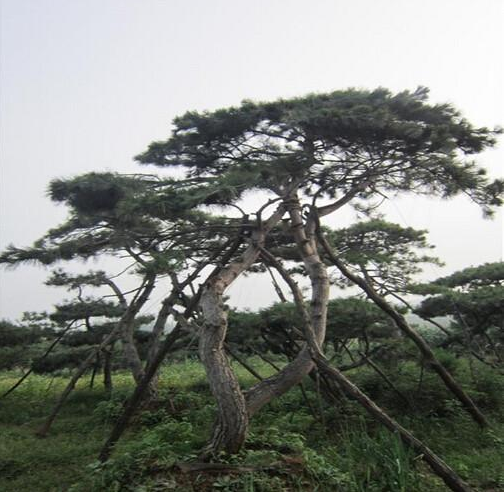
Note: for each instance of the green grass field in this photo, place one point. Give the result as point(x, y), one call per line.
point(289, 447)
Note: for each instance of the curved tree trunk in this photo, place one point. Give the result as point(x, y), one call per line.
point(292, 374)
point(232, 421)
point(131, 405)
point(266, 390)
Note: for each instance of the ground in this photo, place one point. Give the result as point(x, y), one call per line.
point(291, 446)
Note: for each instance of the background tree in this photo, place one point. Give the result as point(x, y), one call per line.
point(21, 343)
point(474, 299)
point(348, 319)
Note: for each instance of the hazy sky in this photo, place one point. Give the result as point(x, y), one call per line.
point(87, 84)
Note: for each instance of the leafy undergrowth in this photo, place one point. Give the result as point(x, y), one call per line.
point(291, 446)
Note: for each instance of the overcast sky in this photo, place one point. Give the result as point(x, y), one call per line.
point(87, 84)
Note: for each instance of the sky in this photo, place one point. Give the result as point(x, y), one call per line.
point(88, 84)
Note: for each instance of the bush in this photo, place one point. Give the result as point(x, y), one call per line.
point(108, 411)
point(61, 359)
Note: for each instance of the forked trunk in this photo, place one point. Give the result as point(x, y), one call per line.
point(152, 367)
point(232, 421)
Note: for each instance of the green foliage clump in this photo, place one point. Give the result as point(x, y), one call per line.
point(61, 359)
point(12, 334)
point(108, 411)
point(20, 344)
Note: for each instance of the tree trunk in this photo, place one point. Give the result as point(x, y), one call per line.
point(438, 466)
point(134, 362)
point(130, 352)
point(131, 405)
point(96, 366)
point(155, 338)
point(232, 421)
point(107, 369)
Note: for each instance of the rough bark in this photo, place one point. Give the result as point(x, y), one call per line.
point(405, 328)
point(232, 421)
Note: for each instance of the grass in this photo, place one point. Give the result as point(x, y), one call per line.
point(289, 447)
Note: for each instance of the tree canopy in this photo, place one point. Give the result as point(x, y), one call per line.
point(368, 142)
